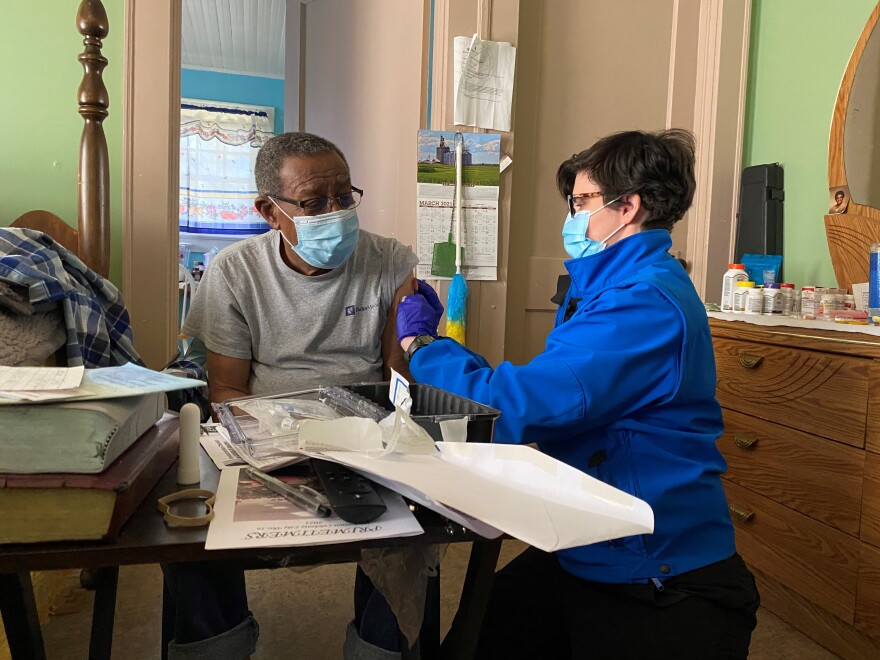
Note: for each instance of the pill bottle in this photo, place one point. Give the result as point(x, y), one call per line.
point(755, 301)
point(849, 302)
point(772, 299)
point(741, 295)
point(826, 307)
point(808, 303)
point(735, 273)
point(788, 293)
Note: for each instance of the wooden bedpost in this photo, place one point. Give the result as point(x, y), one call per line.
point(93, 182)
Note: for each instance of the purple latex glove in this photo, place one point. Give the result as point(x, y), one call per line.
point(434, 301)
point(416, 316)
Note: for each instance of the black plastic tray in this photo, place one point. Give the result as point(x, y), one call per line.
point(432, 405)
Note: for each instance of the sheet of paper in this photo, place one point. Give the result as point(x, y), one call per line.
point(115, 382)
point(40, 378)
point(347, 434)
point(860, 293)
point(435, 197)
point(226, 454)
point(249, 515)
point(398, 391)
point(483, 82)
point(513, 488)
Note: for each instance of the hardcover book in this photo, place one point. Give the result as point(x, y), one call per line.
point(78, 436)
point(77, 507)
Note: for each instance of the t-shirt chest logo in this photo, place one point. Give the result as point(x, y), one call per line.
point(351, 310)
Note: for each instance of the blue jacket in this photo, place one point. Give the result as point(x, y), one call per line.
point(625, 392)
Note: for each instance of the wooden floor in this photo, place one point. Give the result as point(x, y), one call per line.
point(304, 615)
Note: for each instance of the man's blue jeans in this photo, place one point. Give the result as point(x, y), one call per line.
point(205, 613)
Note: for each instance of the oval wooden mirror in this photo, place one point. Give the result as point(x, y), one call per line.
point(854, 162)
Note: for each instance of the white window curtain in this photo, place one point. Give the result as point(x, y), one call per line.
point(218, 149)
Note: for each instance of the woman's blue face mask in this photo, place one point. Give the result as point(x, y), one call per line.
point(324, 241)
point(574, 234)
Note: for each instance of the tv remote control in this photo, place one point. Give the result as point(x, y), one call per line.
point(351, 496)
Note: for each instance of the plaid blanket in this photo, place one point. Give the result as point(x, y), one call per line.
point(97, 322)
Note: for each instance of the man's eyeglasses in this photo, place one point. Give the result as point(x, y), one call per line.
point(317, 205)
point(576, 203)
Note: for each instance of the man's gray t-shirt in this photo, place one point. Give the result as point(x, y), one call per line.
point(299, 331)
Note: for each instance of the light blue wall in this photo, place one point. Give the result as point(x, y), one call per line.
point(235, 88)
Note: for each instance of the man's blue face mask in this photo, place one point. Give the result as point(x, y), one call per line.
point(574, 234)
point(324, 241)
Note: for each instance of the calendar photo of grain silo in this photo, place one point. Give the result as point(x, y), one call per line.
point(480, 156)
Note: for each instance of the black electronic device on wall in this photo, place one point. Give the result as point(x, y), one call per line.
point(759, 226)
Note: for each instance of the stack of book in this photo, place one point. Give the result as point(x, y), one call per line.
point(78, 470)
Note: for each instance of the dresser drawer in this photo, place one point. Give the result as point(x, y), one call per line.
point(819, 478)
point(816, 561)
point(807, 390)
point(871, 500)
point(868, 603)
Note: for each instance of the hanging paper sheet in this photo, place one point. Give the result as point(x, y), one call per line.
point(436, 195)
point(483, 83)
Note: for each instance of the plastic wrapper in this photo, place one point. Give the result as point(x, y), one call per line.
point(401, 576)
point(277, 423)
point(282, 416)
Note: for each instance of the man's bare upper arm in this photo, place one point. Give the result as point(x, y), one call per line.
point(392, 354)
point(227, 377)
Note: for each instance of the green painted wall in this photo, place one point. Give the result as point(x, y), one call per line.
point(39, 78)
point(799, 51)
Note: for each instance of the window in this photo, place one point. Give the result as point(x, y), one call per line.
point(218, 148)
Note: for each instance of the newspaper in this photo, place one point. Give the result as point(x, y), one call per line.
point(249, 515)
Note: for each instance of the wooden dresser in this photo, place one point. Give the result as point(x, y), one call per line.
point(802, 443)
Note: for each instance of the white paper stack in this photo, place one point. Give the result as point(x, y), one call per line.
point(513, 489)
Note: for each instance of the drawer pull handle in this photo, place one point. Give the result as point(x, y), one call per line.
point(744, 440)
point(750, 361)
point(741, 515)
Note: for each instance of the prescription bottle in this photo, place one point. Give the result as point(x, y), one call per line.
point(735, 273)
point(788, 294)
point(808, 303)
point(772, 299)
point(826, 307)
point(755, 301)
point(740, 295)
point(849, 301)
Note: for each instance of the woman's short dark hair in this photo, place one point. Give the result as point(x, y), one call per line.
point(272, 155)
point(659, 167)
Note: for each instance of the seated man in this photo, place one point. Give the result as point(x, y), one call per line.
point(308, 304)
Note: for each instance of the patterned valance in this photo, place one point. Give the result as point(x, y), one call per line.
point(229, 124)
point(217, 158)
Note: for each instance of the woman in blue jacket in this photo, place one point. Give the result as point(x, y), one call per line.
point(625, 392)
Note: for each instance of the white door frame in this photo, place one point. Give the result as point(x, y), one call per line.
point(719, 117)
point(150, 180)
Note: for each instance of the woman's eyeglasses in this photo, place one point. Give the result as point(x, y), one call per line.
point(576, 203)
